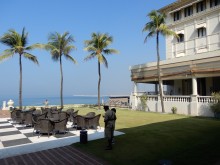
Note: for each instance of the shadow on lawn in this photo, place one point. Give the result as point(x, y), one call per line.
point(182, 141)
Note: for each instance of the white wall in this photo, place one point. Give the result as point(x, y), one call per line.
point(193, 45)
point(183, 103)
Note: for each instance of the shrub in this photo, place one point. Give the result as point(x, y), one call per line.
point(174, 110)
point(215, 107)
point(143, 99)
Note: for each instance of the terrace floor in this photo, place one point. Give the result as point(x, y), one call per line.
point(19, 145)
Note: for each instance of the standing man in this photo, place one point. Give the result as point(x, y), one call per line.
point(109, 120)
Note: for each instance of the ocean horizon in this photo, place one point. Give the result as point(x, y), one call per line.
point(39, 101)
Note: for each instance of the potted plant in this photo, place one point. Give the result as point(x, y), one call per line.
point(215, 107)
point(174, 110)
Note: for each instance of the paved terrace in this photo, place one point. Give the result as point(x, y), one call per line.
point(18, 145)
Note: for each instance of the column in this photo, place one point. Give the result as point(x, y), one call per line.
point(194, 102)
point(135, 93)
point(194, 86)
point(135, 88)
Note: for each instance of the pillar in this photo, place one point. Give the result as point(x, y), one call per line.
point(194, 86)
point(135, 95)
point(194, 101)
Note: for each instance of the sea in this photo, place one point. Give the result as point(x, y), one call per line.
point(39, 101)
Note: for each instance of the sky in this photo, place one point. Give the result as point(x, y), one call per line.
point(121, 19)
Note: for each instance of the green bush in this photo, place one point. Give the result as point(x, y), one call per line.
point(174, 110)
point(215, 107)
point(143, 99)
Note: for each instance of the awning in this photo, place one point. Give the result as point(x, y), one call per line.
point(201, 25)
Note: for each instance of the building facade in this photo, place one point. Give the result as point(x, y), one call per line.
point(191, 70)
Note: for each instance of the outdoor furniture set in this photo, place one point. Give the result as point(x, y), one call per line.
point(53, 120)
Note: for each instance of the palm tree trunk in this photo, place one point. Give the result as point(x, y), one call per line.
point(158, 73)
point(20, 83)
point(99, 70)
point(61, 84)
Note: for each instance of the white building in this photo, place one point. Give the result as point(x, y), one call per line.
point(191, 70)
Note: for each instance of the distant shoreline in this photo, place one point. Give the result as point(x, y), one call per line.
point(39, 101)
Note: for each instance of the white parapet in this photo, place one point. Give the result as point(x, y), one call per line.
point(4, 107)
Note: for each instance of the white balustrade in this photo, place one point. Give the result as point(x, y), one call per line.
point(206, 99)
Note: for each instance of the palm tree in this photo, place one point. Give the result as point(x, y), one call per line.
point(18, 45)
point(60, 45)
point(157, 26)
point(98, 46)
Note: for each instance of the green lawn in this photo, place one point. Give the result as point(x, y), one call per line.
point(150, 137)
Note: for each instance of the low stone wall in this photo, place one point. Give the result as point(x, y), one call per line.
point(186, 105)
point(4, 113)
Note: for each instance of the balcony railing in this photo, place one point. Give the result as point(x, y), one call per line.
point(166, 98)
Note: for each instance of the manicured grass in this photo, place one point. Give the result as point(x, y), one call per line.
point(150, 137)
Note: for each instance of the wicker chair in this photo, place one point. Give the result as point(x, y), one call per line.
point(19, 116)
point(45, 127)
point(13, 115)
point(53, 108)
point(60, 126)
point(81, 122)
point(93, 122)
point(70, 112)
point(63, 115)
point(44, 110)
point(28, 118)
point(90, 114)
point(35, 120)
point(49, 112)
point(73, 116)
point(37, 112)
